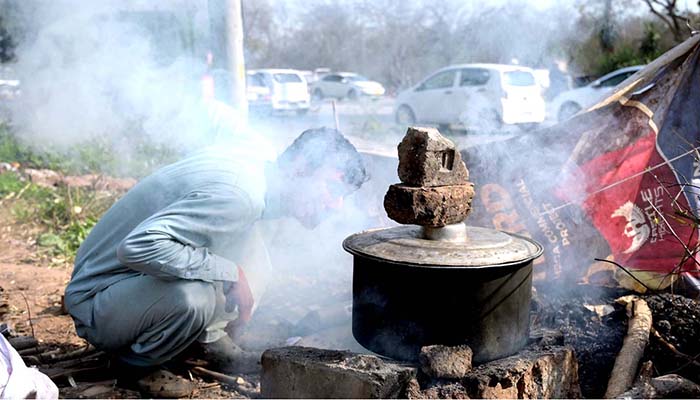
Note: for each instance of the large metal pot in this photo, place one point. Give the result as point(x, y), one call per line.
point(409, 291)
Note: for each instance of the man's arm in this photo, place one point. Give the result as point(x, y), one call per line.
point(174, 243)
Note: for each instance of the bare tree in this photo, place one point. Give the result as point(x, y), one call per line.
point(667, 11)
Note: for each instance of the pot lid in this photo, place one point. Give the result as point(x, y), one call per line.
point(406, 245)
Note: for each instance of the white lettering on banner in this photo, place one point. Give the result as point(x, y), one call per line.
point(655, 197)
point(550, 224)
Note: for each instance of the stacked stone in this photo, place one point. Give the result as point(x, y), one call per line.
point(435, 190)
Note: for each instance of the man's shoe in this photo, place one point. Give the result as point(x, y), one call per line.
point(224, 355)
point(154, 382)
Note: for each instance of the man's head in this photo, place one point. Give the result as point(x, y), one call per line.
point(316, 172)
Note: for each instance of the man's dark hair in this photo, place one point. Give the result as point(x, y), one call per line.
point(324, 148)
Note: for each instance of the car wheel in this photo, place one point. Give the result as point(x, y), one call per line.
point(567, 111)
point(352, 95)
point(405, 116)
point(317, 94)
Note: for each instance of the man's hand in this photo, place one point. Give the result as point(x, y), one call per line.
point(239, 295)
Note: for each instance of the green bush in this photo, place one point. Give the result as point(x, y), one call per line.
point(10, 183)
point(95, 155)
point(70, 213)
point(65, 214)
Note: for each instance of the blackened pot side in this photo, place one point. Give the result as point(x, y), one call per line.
point(400, 306)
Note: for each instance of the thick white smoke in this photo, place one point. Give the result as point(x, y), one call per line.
point(112, 70)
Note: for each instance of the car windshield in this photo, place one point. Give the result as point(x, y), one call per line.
point(615, 80)
point(286, 78)
point(519, 78)
point(254, 80)
point(356, 78)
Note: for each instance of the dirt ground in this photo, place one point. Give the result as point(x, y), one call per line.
point(32, 287)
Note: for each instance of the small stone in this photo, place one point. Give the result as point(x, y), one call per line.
point(445, 362)
point(663, 326)
point(452, 390)
point(305, 372)
point(426, 158)
point(429, 206)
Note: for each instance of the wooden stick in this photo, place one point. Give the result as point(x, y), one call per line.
point(673, 348)
point(95, 357)
point(23, 342)
point(29, 313)
point(335, 116)
point(227, 379)
point(33, 350)
point(63, 373)
point(633, 346)
point(58, 357)
point(31, 360)
point(47, 356)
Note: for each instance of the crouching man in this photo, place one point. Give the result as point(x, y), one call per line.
point(167, 269)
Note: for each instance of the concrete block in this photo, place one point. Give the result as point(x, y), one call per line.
point(548, 372)
point(535, 373)
point(426, 158)
point(429, 206)
point(305, 372)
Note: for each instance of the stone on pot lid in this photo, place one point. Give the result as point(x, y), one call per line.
point(426, 158)
point(483, 248)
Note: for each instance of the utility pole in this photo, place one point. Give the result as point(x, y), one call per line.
point(226, 24)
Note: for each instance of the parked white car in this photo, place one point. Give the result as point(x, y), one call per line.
point(474, 96)
point(258, 93)
point(288, 89)
point(345, 85)
point(568, 103)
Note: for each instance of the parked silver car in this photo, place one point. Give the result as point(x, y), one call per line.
point(345, 85)
point(474, 96)
point(568, 103)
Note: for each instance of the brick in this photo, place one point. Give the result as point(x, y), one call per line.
point(426, 158)
point(445, 362)
point(305, 372)
point(429, 206)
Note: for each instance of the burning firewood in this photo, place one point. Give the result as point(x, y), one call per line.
point(635, 342)
point(238, 383)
